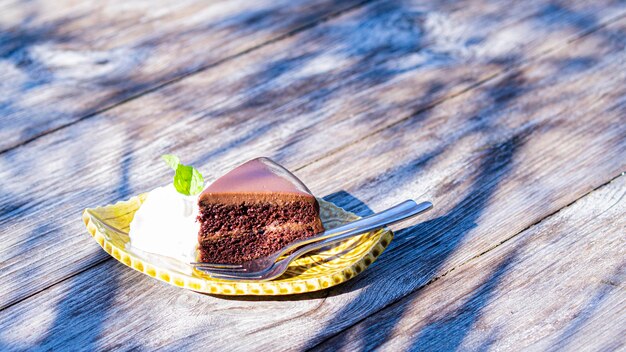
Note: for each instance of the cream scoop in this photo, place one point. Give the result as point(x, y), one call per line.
point(165, 224)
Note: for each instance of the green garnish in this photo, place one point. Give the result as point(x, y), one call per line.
point(187, 180)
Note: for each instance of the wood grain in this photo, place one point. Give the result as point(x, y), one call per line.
point(487, 160)
point(64, 61)
point(556, 286)
point(263, 104)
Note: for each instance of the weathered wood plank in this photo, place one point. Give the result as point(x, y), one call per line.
point(483, 193)
point(558, 285)
point(224, 116)
point(491, 176)
point(62, 61)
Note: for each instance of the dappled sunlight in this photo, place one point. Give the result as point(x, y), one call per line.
point(503, 114)
point(423, 262)
point(24, 335)
point(67, 319)
point(87, 60)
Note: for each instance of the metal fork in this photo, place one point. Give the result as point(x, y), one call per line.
point(267, 268)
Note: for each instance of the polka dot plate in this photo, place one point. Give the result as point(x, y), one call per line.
point(317, 271)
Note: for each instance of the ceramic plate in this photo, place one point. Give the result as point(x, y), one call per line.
point(319, 270)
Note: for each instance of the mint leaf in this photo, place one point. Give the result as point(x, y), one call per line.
point(187, 180)
point(171, 160)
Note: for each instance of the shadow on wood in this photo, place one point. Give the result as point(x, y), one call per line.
point(75, 326)
point(612, 283)
point(496, 163)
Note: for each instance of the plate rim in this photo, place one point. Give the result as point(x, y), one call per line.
point(235, 288)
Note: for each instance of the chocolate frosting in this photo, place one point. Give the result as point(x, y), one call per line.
point(260, 176)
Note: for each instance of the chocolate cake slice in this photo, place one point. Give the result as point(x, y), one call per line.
point(252, 211)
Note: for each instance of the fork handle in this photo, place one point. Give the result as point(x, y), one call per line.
point(397, 213)
point(400, 212)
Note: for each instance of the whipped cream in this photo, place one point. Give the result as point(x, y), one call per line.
point(166, 224)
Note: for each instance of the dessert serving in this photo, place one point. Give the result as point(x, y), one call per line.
point(252, 211)
point(248, 213)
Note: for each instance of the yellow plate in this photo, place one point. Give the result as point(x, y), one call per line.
point(329, 267)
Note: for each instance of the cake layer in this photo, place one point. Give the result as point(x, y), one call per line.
point(234, 233)
point(248, 246)
point(252, 211)
point(232, 219)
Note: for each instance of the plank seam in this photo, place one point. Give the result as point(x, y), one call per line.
point(184, 75)
point(529, 61)
point(89, 267)
point(536, 223)
point(477, 84)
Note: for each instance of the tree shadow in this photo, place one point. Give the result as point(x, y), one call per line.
point(370, 44)
point(15, 47)
point(78, 318)
point(80, 315)
point(347, 201)
point(457, 217)
point(119, 74)
point(11, 205)
point(496, 163)
point(609, 286)
point(448, 333)
point(248, 137)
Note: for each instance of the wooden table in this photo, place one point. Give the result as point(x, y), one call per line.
point(510, 116)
